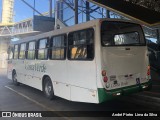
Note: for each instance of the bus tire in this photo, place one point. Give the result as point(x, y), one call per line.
point(48, 88)
point(14, 79)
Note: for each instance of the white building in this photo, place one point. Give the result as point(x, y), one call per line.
point(7, 11)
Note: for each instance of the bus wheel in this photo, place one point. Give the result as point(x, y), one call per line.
point(48, 88)
point(14, 78)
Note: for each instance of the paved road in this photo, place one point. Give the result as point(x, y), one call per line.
point(25, 98)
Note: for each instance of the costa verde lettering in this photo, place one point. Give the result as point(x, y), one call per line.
point(36, 67)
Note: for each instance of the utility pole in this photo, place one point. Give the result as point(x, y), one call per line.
point(34, 5)
point(50, 8)
point(107, 13)
point(76, 11)
point(87, 11)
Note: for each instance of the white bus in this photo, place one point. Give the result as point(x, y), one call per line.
point(90, 62)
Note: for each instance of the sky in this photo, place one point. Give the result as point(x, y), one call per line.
point(22, 11)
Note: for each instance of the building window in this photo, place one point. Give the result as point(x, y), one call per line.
point(16, 52)
point(31, 50)
point(80, 45)
point(22, 51)
point(42, 49)
point(58, 47)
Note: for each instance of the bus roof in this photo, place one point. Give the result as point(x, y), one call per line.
point(67, 30)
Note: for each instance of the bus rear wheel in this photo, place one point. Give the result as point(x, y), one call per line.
point(48, 88)
point(14, 79)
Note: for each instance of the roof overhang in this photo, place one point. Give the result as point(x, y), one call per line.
point(132, 11)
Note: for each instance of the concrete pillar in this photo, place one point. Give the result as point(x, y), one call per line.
point(7, 11)
point(4, 43)
point(60, 10)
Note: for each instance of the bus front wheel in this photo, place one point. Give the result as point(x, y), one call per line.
point(14, 78)
point(48, 88)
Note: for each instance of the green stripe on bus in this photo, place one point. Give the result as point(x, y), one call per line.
point(108, 95)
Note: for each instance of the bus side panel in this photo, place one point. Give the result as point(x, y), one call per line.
point(83, 77)
point(57, 71)
point(84, 95)
point(30, 77)
point(98, 53)
point(82, 74)
point(62, 90)
point(21, 70)
point(16, 68)
point(9, 69)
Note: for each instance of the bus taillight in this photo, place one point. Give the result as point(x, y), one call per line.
point(104, 74)
point(148, 71)
point(105, 78)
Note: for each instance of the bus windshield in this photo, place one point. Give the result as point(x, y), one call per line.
point(121, 34)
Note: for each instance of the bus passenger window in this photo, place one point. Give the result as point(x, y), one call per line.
point(58, 47)
point(22, 51)
point(121, 34)
point(42, 49)
point(80, 45)
point(10, 52)
point(16, 52)
point(31, 50)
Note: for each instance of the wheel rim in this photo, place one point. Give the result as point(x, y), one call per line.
point(48, 89)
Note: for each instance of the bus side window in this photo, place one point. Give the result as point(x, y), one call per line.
point(42, 49)
point(31, 50)
point(15, 51)
point(58, 47)
point(81, 45)
point(10, 52)
point(22, 51)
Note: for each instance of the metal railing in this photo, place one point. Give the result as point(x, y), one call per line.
point(22, 27)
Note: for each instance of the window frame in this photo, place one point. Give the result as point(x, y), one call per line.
point(134, 44)
point(68, 49)
point(65, 46)
point(33, 50)
point(10, 51)
point(17, 52)
point(140, 35)
point(37, 48)
point(24, 51)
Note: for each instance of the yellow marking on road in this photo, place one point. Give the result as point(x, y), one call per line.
point(37, 103)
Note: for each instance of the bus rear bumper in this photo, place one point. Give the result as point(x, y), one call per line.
point(105, 95)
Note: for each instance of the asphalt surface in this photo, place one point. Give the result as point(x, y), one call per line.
point(25, 98)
